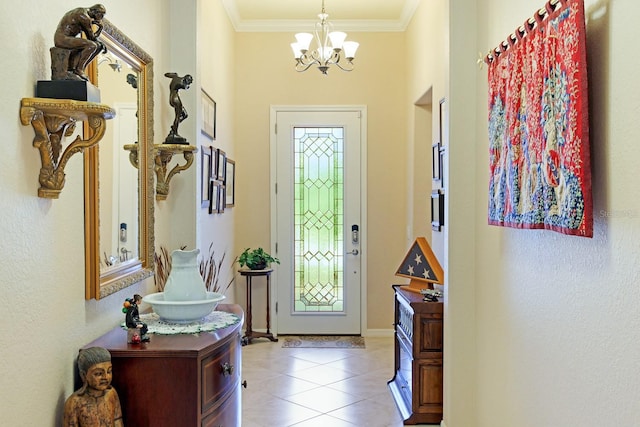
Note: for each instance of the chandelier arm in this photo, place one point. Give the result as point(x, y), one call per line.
point(334, 58)
point(308, 60)
point(343, 68)
point(301, 66)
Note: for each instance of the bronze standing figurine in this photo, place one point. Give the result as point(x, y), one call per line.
point(176, 84)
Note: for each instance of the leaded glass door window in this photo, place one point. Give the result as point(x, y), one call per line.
point(318, 219)
point(318, 201)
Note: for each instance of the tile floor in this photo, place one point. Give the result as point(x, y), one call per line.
point(307, 387)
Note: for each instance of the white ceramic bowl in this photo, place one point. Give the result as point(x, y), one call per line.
point(182, 311)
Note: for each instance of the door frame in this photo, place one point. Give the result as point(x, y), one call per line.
point(362, 109)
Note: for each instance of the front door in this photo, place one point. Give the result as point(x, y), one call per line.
point(318, 233)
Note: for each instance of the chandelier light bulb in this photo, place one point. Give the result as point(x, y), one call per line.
point(296, 50)
point(350, 49)
point(304, 40)
point(337, 39)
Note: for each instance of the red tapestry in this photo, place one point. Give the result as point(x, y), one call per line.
point(538, 126)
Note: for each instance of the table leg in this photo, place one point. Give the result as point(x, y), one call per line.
point(268, 305)
point(269, 334)
point(248, 333)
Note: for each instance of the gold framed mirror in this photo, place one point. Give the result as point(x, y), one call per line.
point(115, 259)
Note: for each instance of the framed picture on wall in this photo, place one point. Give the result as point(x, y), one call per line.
point(436, 165)
point(437, 210)
point(214, 162)
point(214, 195)
point(441, 121)
point(441, 161)
point(208, 116)
point(221, 197)
point(230, 184)
point(205, 158)
point(443, 133)
point(221, 164)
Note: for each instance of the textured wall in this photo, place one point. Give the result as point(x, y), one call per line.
point(43, 313)
point(557, 317)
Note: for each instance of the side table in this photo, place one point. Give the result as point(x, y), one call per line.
point(249, 333)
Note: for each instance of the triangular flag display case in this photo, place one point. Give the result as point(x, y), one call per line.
point(421, 266)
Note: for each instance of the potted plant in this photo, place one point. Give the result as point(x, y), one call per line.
point(256, 259)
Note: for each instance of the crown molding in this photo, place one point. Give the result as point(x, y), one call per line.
point(289, 25)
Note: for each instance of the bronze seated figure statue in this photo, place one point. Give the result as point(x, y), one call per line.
point(72, 53)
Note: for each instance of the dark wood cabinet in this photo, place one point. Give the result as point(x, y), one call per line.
point(417, 382)
point(178, 380)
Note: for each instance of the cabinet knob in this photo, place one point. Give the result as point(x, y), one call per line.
point(227, 369)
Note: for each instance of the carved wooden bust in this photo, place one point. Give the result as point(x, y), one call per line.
point(96, 403)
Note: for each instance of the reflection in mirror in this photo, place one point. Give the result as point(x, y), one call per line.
point(118, 178)
point(119, 196)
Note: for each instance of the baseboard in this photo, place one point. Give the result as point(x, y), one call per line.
point(442, 424)
point(368, 333)
point(378, 333)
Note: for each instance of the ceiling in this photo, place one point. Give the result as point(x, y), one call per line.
point(299, 15)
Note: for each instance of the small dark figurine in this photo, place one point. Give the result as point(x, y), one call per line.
point(176, 84)
point(72, 53)
point(132, 319)
point(132, 80)
point(96, 403)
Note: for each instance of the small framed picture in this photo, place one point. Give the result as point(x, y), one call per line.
point(221, 197)
point(208, 116)
point(436, 166)
point(441, 121)
point(442, 164)
point(229, 184)
point(214, 196)
point(214, 162)
point(437, 210)
point(205, 158)
point(221, 165)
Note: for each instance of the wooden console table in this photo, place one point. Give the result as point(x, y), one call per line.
point(417, 382)
point(178, 380)
point(249, 333)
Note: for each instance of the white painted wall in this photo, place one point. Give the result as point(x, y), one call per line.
point(551, 332)
point(43, 313)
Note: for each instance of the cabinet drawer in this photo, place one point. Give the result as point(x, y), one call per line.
point(220, 373)
point(405, 373)
point(226, 415)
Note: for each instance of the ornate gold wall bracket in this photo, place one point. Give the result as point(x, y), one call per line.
point(52, 120)
point(163, 153)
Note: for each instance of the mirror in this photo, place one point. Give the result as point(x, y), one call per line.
point(118, 196)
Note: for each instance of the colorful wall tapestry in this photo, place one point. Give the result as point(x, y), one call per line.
point(540, 173)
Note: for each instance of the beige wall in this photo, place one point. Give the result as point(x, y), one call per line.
point(205, 51)
point(216, 65)
point(265, 76)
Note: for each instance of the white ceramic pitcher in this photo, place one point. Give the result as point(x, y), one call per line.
point(184, 282)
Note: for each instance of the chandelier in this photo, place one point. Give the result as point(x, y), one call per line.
point(330, 49)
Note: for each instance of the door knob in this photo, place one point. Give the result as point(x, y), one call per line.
point(353, 252)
